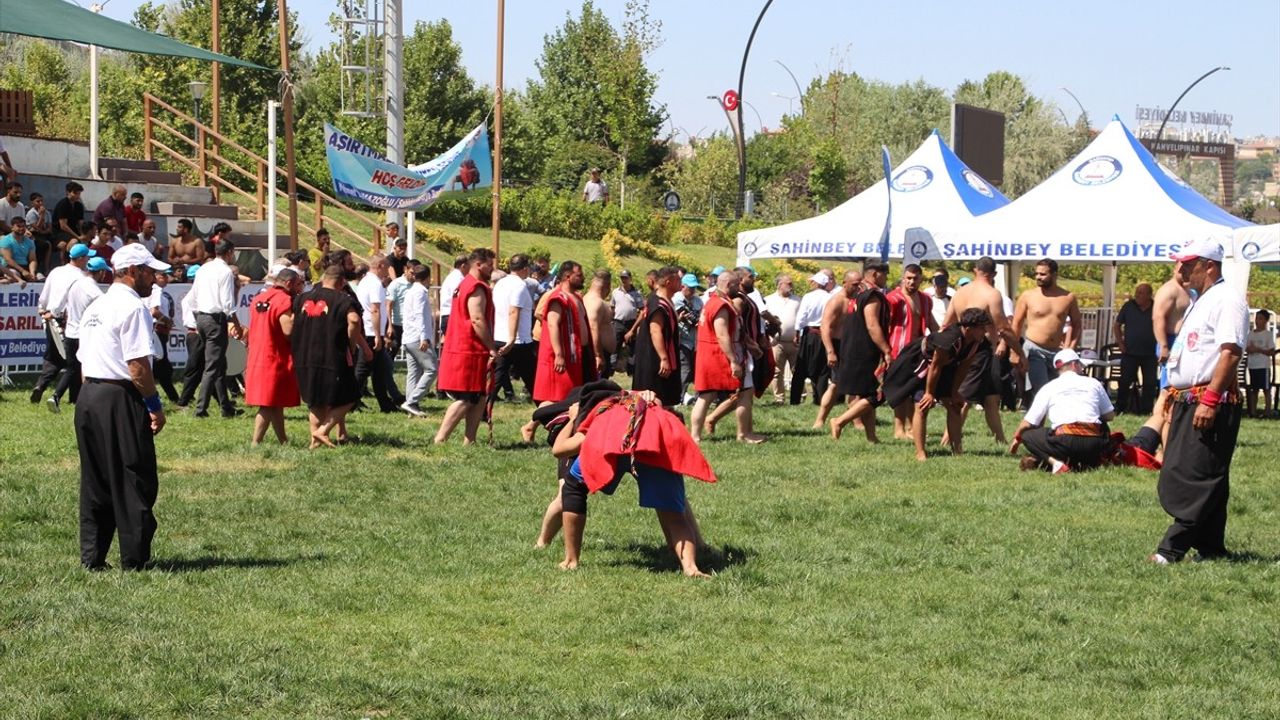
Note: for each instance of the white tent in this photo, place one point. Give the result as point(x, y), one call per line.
point(930, 186)
point(1111, 203)
point(1257, 244)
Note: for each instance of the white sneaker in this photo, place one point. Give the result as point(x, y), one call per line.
point(413, 410)
point(1158, 559)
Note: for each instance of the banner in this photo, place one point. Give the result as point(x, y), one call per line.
point(921, 246)
point(363, 174)
point(22, 338)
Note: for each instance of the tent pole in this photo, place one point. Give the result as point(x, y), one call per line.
point(497, 134)
point(271, 180)
point(1109, 275)
point(291, 179)
point(410, 221)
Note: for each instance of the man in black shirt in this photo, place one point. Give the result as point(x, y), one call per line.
point(67, 216)
point(1133, 333)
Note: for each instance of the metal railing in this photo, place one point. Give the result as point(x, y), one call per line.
point(205, 155)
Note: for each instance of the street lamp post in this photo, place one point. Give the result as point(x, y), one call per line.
point(1160, 132)
point(1078, 103)
point(742, 146)
point(197, 94)
point(788, 98)
point(799, 92)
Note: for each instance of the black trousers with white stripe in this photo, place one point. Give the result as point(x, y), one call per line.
point(118, 477)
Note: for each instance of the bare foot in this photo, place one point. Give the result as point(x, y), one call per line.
point(901, 436)
point(527, 431)
point(709, 427)
point(752, 438)
point(466, 442)
point(873, 440)
point(818, 423)
point(539, 544)
point(569, 565)
point(318, 439)
point(836, 429)
point(921, 456)
point(695, 573)
point(697, 439)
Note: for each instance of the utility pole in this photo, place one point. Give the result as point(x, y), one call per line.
point(497, 135)
point(215, 40)
point(393, 87)
point(291, 179)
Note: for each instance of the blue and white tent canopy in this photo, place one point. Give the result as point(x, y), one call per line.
point(1111, 203)
point(931, 186)
point(1258, 244)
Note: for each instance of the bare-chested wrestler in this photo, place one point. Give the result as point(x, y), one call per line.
point(838, 305)
point(981, 383)
point(1168, 307)
point(186, 249)
point(1041, 317)
point(600, 319)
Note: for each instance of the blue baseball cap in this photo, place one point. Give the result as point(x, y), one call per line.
point(80, 250)
point(691, 280)
point(716, 270)
point(964, 281)
point(191, 271)
point(97, 264)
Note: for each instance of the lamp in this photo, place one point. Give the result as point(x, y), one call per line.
point(197, 94)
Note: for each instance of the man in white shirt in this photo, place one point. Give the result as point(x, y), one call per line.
point(784, 305)
point(194, 369)
point(811, 359)
point(154, 244)
point(372, 294)
point(400, 280)
point(117, 416)
point(1077, 410)
point(164, 311)
point(1258, 357)
point(1195, 480)
point(52, 306)
point(513, 328)
point(419, 338)
point(79, 296)
point(11, 206)
point(940, 290)
point(596, 190)
point(448, 287)
point(215, 308)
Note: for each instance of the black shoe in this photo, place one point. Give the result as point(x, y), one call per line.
point(202, 413)
point(100, 567)
point(180, 404)
point(233, 412)
point(35, 395)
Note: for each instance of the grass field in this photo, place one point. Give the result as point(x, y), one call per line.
point(396, 579)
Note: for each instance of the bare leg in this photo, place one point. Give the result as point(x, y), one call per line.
point(452, 416)
point(718, 414)
point(902, 421)
point(746, 425)
point(955, 425)
point(574, 525)
point(920, 431)
point(699, 416)
point(824, 407)
point(338, 419)
point(260, 423)
point(475, 415)
point(991, 405)
point(693, 525)
point(681, 541)
point(857, 406)
point(869, 423)
point(277, 424)
point(551, 520)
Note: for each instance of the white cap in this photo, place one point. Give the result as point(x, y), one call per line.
point(1066, 357)
point(820, 278)
point(135, 254)
point(1208, 248)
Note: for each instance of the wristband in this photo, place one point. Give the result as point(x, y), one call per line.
point(153, 403)
point(1210, 398)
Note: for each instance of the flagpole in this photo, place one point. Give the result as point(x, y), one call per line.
point(291, 179)
point(497, 135)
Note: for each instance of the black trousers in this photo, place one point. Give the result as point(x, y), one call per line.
point(518, 363)
point(69, 383)
point(118, 478)
point(195, 367)
point(1130, 364)
point(384, 384)
point(1079, 452)
point(811, 364)
point(1195, 481)
point(213, 330)
point(53, 362)
point(163, 369)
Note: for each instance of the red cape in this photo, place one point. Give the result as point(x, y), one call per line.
point(662, 441)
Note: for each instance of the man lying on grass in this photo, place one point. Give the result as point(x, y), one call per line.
point(614, 432)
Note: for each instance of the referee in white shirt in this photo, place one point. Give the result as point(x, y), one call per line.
point(1204, 396)
point(118, 414)
point(811, 359)
point(1077, 409)
point(53, 308)
point(215, 303)
point(82, 293)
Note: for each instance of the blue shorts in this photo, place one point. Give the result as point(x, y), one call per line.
point(659, 489)
point(1164, 369)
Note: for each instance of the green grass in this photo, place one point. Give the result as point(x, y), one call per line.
point(397, 579)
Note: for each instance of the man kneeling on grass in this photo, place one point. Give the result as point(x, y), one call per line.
point(1078, 410)
point(613, 433)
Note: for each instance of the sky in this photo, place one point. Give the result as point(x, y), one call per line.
point(1113, 56)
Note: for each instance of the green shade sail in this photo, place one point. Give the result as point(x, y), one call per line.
point(62, 20)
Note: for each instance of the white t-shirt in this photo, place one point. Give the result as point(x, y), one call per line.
point(940, 303)
point(511, 292)
point(595, 191)
point(114, 330)
point(1218, 317)
point(9, 212)
point(1071, 398)
point(1264, 339)
point(371, 293)
point(447, 288)
point(53, 296)
point(811, 307)
point(81, 294)
point(785, 309)
point(416, 314)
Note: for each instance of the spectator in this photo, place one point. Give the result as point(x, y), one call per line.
point(1136, 341)
point(112, 207)
point(6, 165)
point(627, 303)
point(18, 253)
point(400, 282)
point(940, 290)
point(300, 262)
point(688, 304)
point(371, 293)
point(134, 215)
point(419, 340)
point(186, 250)
point(154, 244)
point(513, 329)
point(68, 214)
point(316, 254)
point(448, 287)
point(221, 231)
point(784, 305)
point(596, 190)
point(1261, 349)
point(40, 225)
point(11, 206)
point(103, 242)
